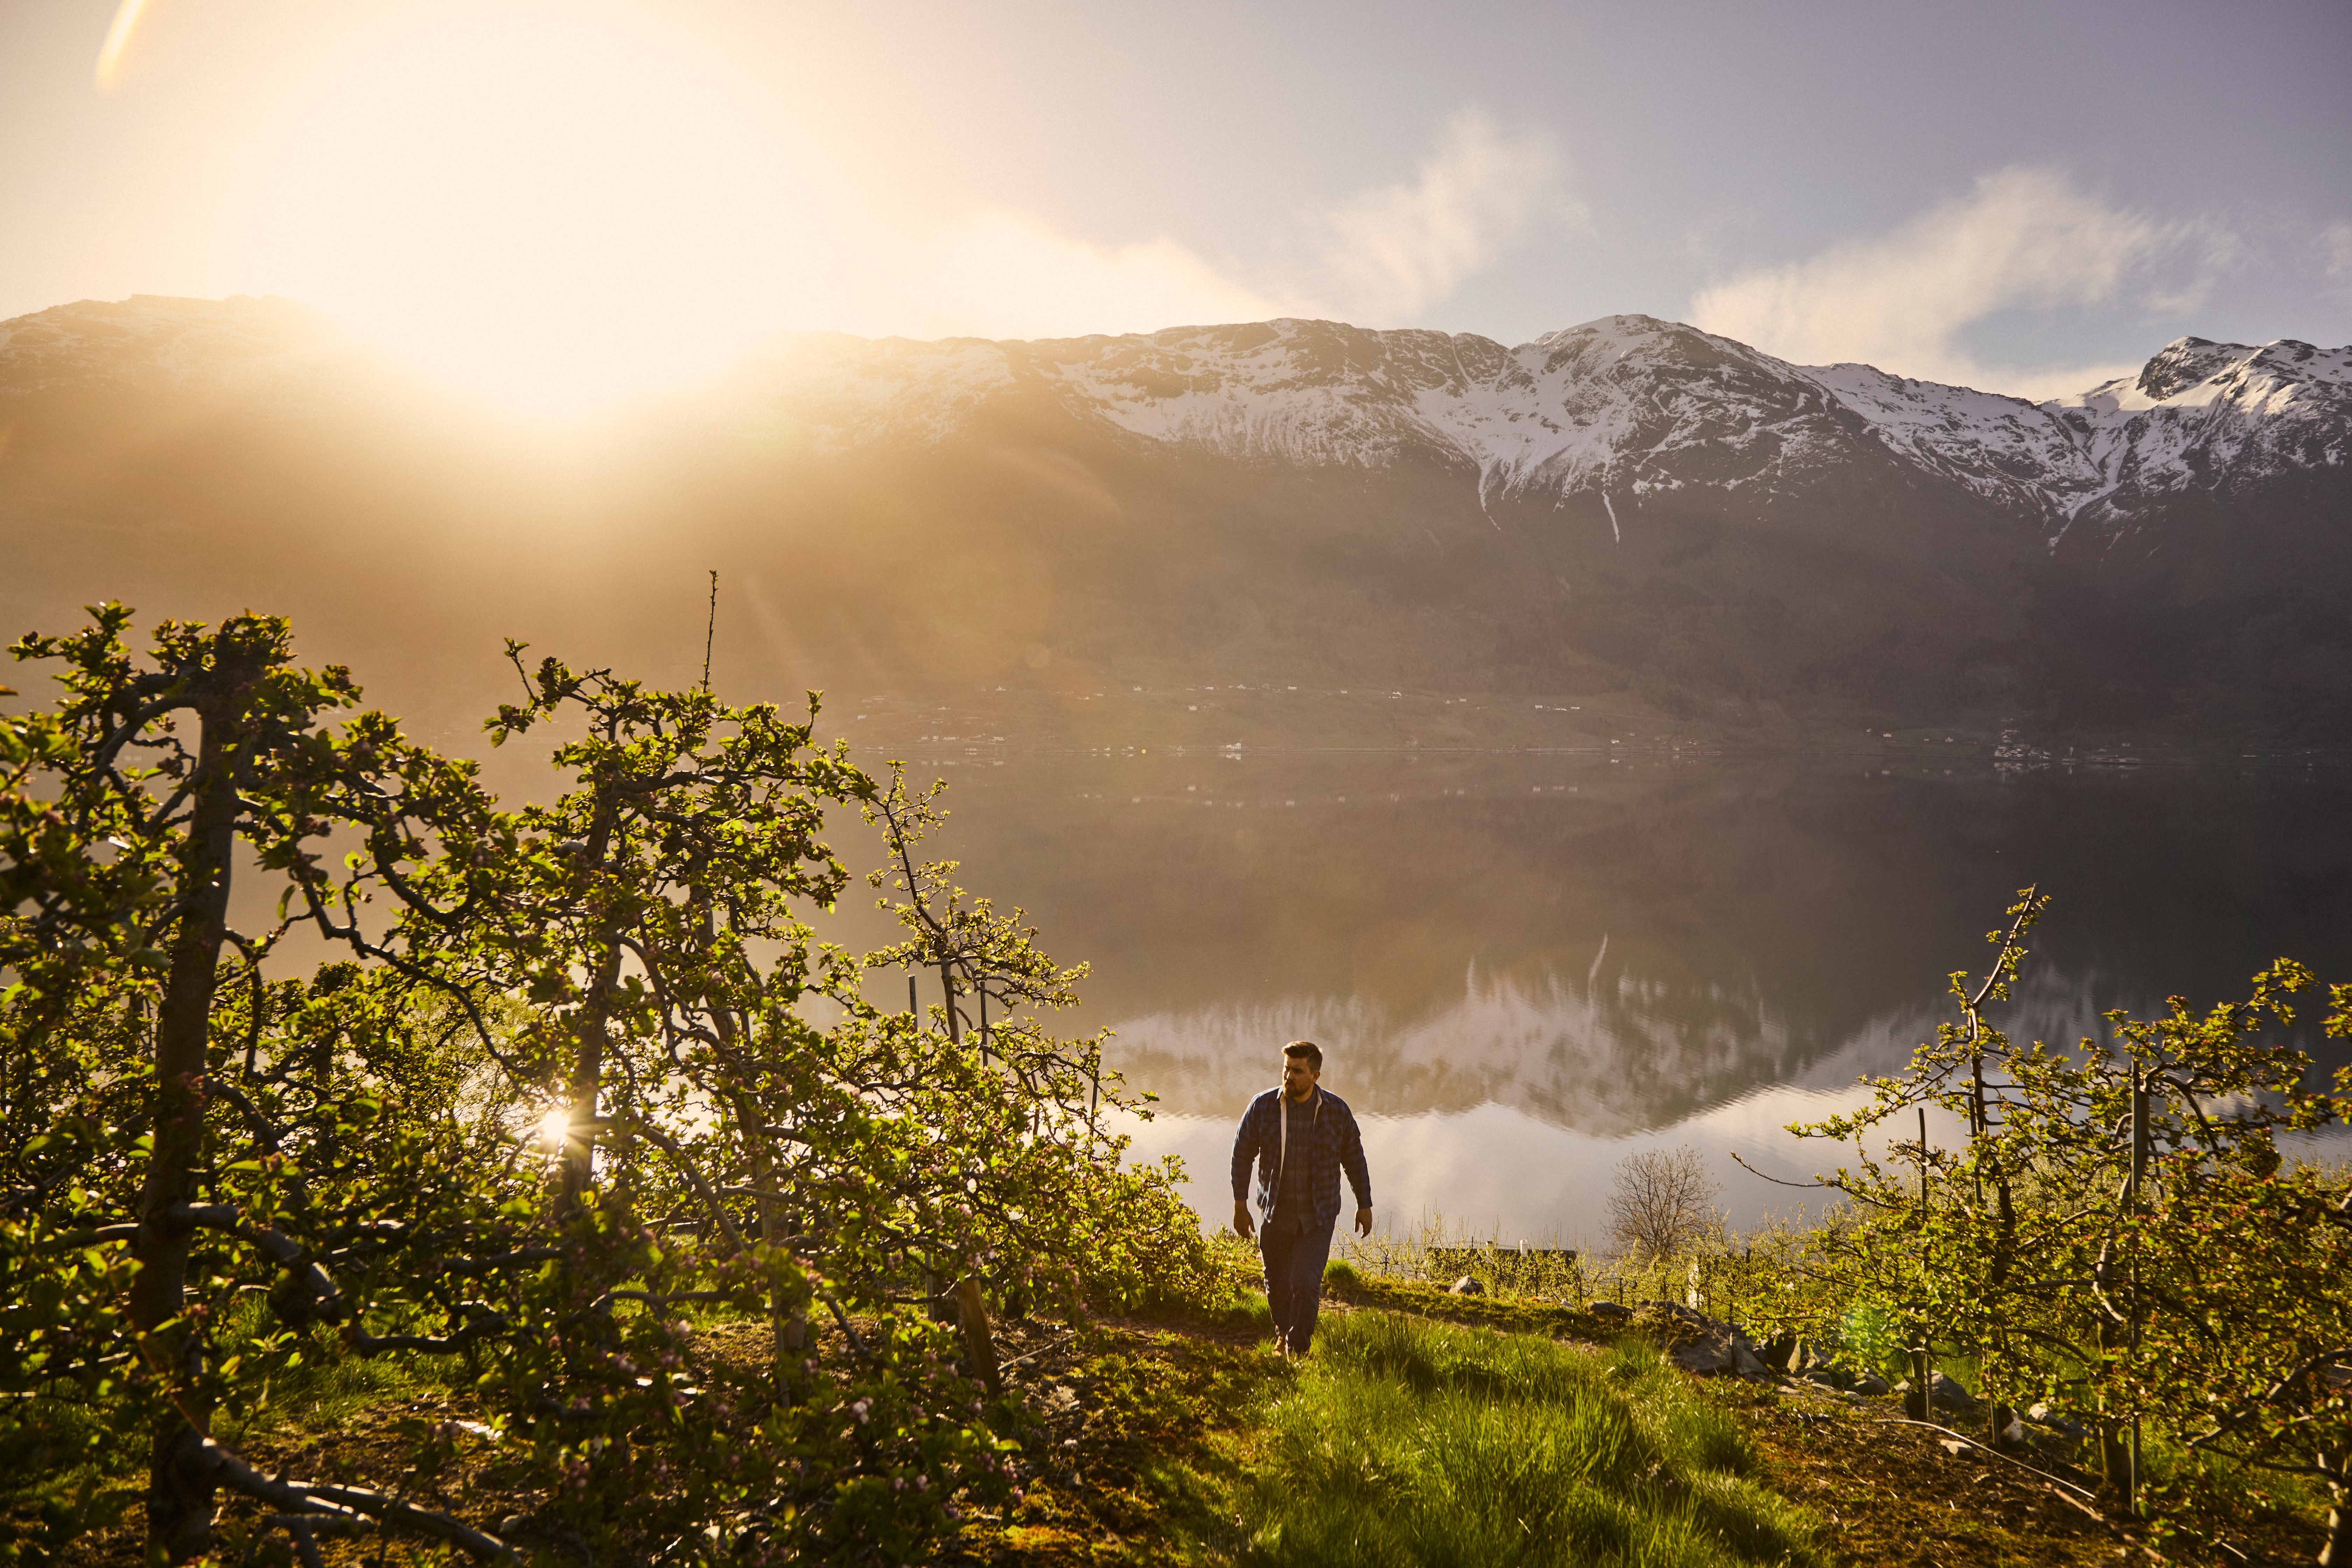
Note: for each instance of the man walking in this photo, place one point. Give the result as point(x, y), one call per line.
point(1300, 1136)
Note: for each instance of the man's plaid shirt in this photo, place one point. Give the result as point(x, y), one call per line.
point(1325, 1136)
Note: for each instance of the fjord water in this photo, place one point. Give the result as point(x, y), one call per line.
point(1524, 966)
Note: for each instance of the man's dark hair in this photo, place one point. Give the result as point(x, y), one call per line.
point(1308, 1049)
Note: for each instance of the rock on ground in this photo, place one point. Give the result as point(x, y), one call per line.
point(1699, 1344)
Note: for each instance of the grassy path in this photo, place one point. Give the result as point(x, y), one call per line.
point(1409, 1442)
point(1430, 1431)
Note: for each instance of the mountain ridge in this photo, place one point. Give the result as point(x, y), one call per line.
point(1561, 414)
point(1626, 504)
point(2101, 452)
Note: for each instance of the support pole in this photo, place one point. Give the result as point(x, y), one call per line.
point(1925, 1362)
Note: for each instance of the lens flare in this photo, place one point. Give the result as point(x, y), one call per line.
point(118, 40)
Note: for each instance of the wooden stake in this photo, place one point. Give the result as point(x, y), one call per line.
point(710, 630)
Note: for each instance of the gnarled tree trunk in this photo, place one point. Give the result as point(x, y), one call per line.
point(180, 1490)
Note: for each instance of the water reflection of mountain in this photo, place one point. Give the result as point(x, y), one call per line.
point(1603, 945)
point(1607, 1053)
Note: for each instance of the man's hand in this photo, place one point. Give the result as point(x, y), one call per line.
point(1242, 1226)
point(1363, 1222)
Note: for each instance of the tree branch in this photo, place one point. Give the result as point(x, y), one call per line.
point(341, 1502)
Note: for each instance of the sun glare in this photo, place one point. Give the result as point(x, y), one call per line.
point(559, 208)
point(555, 1126)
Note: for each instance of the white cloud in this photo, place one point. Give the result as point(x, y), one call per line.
point(1386, 255)
point(1394, 251)
point(2040, 385)
point(2335, 250)
point(2024, 239)
point(1001, 274)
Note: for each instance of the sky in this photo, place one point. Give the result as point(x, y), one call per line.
point(573, 204)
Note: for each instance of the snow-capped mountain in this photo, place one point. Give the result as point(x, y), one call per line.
point(2211, 417)
point(2200, 417)
point(1628, 504)
point(1622, 406)
point(1624, 410)
point(1617, 408)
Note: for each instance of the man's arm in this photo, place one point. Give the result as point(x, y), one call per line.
point(1246, 1148)
point(1359, 1175)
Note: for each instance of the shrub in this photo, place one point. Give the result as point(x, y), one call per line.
point(2115, 1235)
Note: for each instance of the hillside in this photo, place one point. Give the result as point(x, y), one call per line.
point(1629, 507)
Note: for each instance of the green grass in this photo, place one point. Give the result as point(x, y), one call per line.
point(1248, 1315)
point(1344, 1281)
point(1407, 1444)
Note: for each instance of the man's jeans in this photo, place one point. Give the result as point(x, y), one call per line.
point(1294, 1277)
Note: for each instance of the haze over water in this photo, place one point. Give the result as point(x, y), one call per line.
point(1524, 966)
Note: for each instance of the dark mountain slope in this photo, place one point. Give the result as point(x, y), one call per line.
point(1626, 504)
